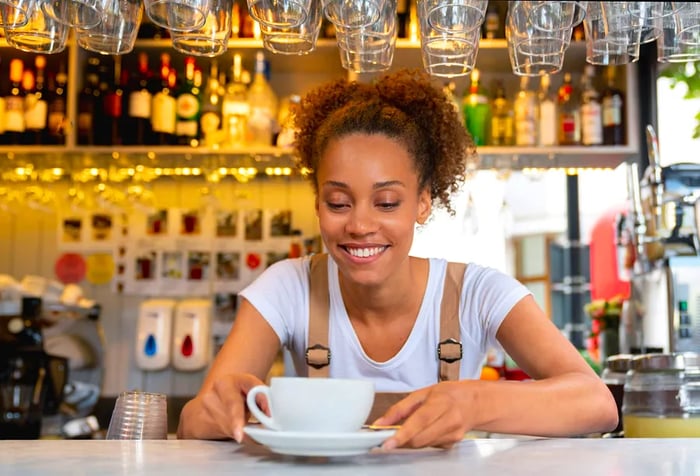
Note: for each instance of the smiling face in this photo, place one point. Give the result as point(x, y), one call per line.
point(368, 204)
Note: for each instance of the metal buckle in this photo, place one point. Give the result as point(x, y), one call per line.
point(448, 354)
point(318, 356)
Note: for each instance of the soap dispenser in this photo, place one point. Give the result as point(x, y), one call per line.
point(192, 334)
point(154, 334)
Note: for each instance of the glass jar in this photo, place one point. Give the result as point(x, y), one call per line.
point(662, 396)
point(613, 375)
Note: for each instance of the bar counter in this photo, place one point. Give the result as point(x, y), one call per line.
point(585, 456)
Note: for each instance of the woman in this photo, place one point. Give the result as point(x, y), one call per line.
point(379, 157)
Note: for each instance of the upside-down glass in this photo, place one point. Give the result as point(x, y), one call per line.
point(15, 13)
point(446, 53)
point(41, 34)
point(177, 15)
point(280, 13)
point(212, 38)
point(75, 13)
point(352, 13)
point(553, 16)
point(455, 16)
point(613, 34)
point(670, 46)
point(533, 51)
point(117, 32)
point(139, 416)
point(297, 40)
point(369, 49)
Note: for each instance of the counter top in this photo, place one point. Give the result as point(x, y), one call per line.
point(589, 457)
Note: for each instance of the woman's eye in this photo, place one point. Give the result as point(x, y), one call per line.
point(388, 205)
point(336, 205)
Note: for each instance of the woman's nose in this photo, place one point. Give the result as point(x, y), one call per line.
point(361, 222)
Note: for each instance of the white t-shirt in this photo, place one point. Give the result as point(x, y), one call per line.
point(281, 295)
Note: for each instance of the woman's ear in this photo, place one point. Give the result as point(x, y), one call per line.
point(425, 205)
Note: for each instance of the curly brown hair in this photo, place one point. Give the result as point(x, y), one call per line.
point(404, 106)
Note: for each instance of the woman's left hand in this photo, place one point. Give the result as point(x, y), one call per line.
point(438, 415)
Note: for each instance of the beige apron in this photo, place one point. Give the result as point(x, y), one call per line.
point(449, 349)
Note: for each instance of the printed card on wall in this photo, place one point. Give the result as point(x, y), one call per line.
point(70, 232)
point(141, 274)
point(278, 224)
point(172, 272)
point(228, 271)
point(253, 219)
point(198, 269)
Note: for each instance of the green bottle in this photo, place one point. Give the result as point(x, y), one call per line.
point(477, 111)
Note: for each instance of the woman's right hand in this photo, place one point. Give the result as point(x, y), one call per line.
point(219, 411)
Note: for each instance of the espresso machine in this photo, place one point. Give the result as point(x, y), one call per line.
point(660, 236)
point(31, 381)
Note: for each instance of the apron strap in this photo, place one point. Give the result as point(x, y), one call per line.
point(318, 355)
point(449, 350)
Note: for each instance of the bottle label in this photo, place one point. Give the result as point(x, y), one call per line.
point(163, 117)
point(186, 128)
point(113, 105)
point(526, 123)
point(591, 124)
point(35, 113)
point(187, 106)
point(14, 114)
point(85, 121)
point(612, 111)
point(140, 104)
point(548, 121)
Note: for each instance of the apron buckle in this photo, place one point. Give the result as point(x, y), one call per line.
point(450, 350)
point(318, 356)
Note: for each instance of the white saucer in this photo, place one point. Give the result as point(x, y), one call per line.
point(318, 444)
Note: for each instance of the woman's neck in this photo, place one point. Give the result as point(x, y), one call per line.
point(394, 298)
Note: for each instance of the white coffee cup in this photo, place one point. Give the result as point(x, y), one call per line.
point(318, 405)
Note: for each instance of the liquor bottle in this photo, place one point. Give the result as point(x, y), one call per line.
point(187, 107)
point(14, 104)
point(3, 93)
point(163, 108)
point(547, 120)
point(88, 99)
point(569, 113)
point(492, 22)
point(210, 119)
point(591, 115)
point(477, 112)
point(262, 100)
point(501, 118)
point(613, 111)
point(525, 108)
point(114, 105)
point(100, 120)
point(402, 18)
point(235, 108)
point(138, 129)
point(35, 107)
point(58, 119)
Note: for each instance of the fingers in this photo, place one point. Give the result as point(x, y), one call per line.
point(402, 409)
point(231, 393)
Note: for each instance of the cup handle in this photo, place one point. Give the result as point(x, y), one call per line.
point(256, 411)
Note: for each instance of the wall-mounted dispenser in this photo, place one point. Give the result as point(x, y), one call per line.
point(192, 334)
point(154, 334)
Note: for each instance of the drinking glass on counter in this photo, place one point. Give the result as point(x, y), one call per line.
point(448, 49)
point(75, 13)
point(281, 13)
point(40, 34)
point(294, 40)
point(369, 48)
point(15, 13)
point(212, 38)
point(177, 15)
point(116, 34)
point(139, 416)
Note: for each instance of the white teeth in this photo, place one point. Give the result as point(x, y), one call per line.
point(365, 252)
